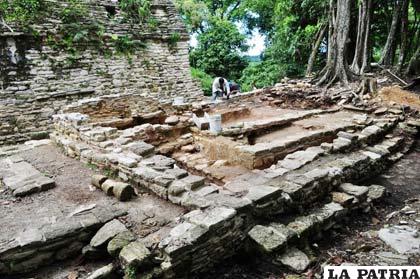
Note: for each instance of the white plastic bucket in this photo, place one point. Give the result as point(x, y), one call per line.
point(215, 122)
point(178, 101)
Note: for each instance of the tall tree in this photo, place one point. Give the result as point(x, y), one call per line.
point(361, 60)
point(218, 50)
point(404, 35)
point(337, 68)
point(388, 52)
point(320, 35)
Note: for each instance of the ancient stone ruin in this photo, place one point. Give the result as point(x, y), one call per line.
point(284, 167)
point(37, 80)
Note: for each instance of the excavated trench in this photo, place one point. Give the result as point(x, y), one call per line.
point(223, 158)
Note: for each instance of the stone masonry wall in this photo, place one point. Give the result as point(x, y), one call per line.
point(36, 81)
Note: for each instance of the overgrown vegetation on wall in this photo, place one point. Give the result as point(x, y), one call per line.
point(21, 12)
point(79, 30)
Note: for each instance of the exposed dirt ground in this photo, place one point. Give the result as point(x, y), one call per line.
point(400, 96)
point(317, 123)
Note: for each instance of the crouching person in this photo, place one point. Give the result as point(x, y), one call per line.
point(220, 88)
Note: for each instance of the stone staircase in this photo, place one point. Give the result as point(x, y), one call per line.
point(319, 174)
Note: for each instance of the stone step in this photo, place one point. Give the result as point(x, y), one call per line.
point(276, 236)
point(314, 180)
point(274, 239)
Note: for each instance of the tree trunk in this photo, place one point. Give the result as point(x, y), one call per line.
point(315, 49)
point(337, 68)
point(414, 65)
point(361, 59)
point(404, 32)
point(389, 50)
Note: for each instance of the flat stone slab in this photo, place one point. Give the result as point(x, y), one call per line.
point(354, 190)
point(403, 239)
point(211, 217)
point(300, 158)
point(22, 178)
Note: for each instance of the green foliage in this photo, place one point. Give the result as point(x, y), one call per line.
point(130, 272)
point(205, 80)
point(261, 74)
point(76, 33)
point(173, 40)
point(136, 11)
point(22, 12)
point(218, 50)
point(126, 45)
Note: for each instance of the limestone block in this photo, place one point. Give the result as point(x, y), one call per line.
point(134, 254)
point(177, 188)
point(181, 238)
point(140, 148)
point(206, 190)
point(107, 232)
point(146, 173)
point(267, 238)
point(175, 173)
point(302, 225)
point(192, 182)
point(261, 194)
point(294, 259)
point(159, 162)
point(119, 242)
point(241, 205)
point(343, 198)
point(126, 161)
point(172, 120)
point(376, 192)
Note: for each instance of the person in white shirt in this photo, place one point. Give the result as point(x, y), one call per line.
point(220, 88)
